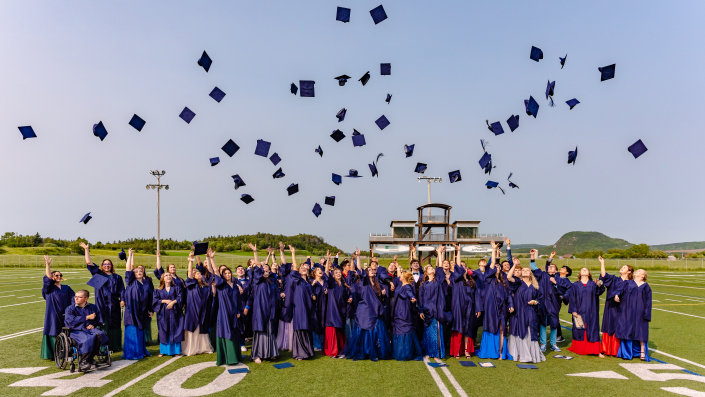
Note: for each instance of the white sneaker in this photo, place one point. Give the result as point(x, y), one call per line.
point(243, 349)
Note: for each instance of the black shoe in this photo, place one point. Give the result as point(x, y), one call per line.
point(560, 339)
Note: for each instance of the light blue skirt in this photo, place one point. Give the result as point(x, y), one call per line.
point(489, 347)
point(628, 349)
point(171, 349)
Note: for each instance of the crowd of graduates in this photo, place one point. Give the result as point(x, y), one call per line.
point(345, 309)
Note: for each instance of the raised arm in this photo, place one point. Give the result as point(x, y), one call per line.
point(510, 275)
point(47, 262)
point(253, 247)
point(86, 252)
point(494, 254)
point(412, 252)
point(439, 253)
point(210, 266)
point(602, 266)
point(282, 259)
point(327, 262)
point(457, 254)
point(189, 274)
point(533, 260)
point(130, 265)
point(159, 261)
point(294, 267)
point(211, 260)
point(509, 250)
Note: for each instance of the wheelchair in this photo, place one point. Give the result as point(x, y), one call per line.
point(66, 353)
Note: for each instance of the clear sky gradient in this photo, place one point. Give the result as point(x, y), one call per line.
point(68, 65)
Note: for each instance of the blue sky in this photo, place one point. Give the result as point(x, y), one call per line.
point(68, 65)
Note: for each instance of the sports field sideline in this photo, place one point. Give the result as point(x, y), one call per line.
point(676, 344)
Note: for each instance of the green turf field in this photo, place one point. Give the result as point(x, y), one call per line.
point(677, 333)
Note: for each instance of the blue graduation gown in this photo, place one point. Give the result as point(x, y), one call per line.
point(432, 300)
point(319, 307)
point(479, 278)
point(107, 298)
point(138, 301)
point(497, 303)
point(525, 315)
point(229, 306)
point(610, 314)
point(355, 284)
point(288, 304)
point(57, 300)
point(178, 281)
point(76, 320)
point(170, 322)
point(585, 300)
point(550, 306)
point(264, 301)
point(197, 302)
point(337, 303)
point(635, 313)
point(370, 307)
point(302, 306)
point(472, 300)
point(404, 311)
point(459, 302)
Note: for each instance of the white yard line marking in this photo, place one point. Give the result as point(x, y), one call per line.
point(20, 333)
point(654, 300)
point(673, 300)
point(28, 296)
point(144, 375)
point(694, 300)
point(6, 296)
point(18, 290)
point(676, 286)
point(439, 382)
point(452, 380)
point(17, 304)
point(665, 293)
point(685, 314)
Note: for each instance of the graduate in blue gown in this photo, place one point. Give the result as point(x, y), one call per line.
point(285, 330)
point(611, 312)
point(479, 276)
point(354, 281)
point(83, 319)
point(196, 322)
point(338, 298)
point(584, 304)
point(243, 279)
point(432, 306)
point(263, 307)
point(550, 301)
point(405, 342)
point(107, 298)
point(58, 297)
point(635, 316)
point(319, 287)
point(168, 307)
point(171, 269)
point(463, 309)
point(523, 340)
point(138, 310)
point(303, 314)
point(497, 306)
point(212, 310)
point(230, 309)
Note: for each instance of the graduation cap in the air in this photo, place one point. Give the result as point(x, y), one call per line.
point(607, 72)
point(337, 179)
point(337, 135)
point(373, 169)
point(278, 174)
point(513, 122)
point(217, 94)
point(293, 188)
point(230, 148)
point(27, 132)
point(385, 69)
point(389, 98)
point(99, 130)
point(122, 255)
point(246, 198)
point(491, 185)
point(294, 88)
point(420, 168)
point(382, 122)
point(342, 15)
point(485, 161)
point(238, 181)
point(342, 79)
point(495, 127)
point(187, 115)
point(364, 78)
point(86, 218)
point(563, 60)
point(353, 174)
point(637, 149)
point(262, 148)
point(454, 176)
point(409, 150)
point(572, 102)
point(357, 138)
point(307, 88)
point(205, 61)
point(200, 248)
point(378, 14)
point(319, 150)
point(572, 155)
point(137, 123)
point(511, 184)
point(341, 114)
point(536, 54)
point(330, 200)
point(317, 210)
point(532, 107)
point(550, 87)
point(214, 161)
point(275, 159)
point(97, 281)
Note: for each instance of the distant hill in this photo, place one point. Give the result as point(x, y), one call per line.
point(693, 245)
point(574, 242)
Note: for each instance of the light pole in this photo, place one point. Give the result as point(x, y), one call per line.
point(159, 187)
point(429, 179)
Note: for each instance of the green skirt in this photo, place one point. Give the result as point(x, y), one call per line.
point(48, 342)
point(115, 339)
point(228, 351)
point(212, 336)
point(148, 334)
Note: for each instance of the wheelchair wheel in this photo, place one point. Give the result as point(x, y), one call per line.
point(61, 351)
point(72, 367)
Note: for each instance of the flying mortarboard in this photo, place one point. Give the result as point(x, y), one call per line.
point(294, 88)
point(317, 210)
point(378, 14)
point(495, 127)
point(341, 114)
point(491, 185)
point(409, 150)
point(563, 60)
point(137, 123)
point(278, 174)
point(353, 174)
point(385, 69)
point(97, 281)
point(343, 15)
point(637, 149)
point(205, 61)
point(342, 79)
point(319, 150)
point(215, 161)
point(607, 72)
point(307, 88)
point(364, 78)
point(420, 168)
point(217, 94)
point(337, 135)
point(100, 131)
point(246, 198)
point(330, 200)
point(337, 179)
point(27, 132)
point(122, 255)
point(485, 160)
point(262, 148)
point(389, 98)
point(382, 122)
point(532, 107)
point(454, 176)
point(200, 248)
point(230, 148)
point(187, 115)
point(513, 122)
point(572, 155)
point(536, 54)
point(373, 169)
point(512, 185)
point(275, 159)
point(572, 102)
point(550, 87)
point(238, 181)
point(86, 218)
point(357, 138)
point(293, 188)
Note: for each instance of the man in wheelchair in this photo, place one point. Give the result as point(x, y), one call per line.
point(82, 319)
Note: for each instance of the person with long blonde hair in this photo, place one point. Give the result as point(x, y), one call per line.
point(610, 314)
point(524, 335)
point(405, 343)
point(498, 305)
point(138, 310)
point(635, 316)
point(168, 306)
